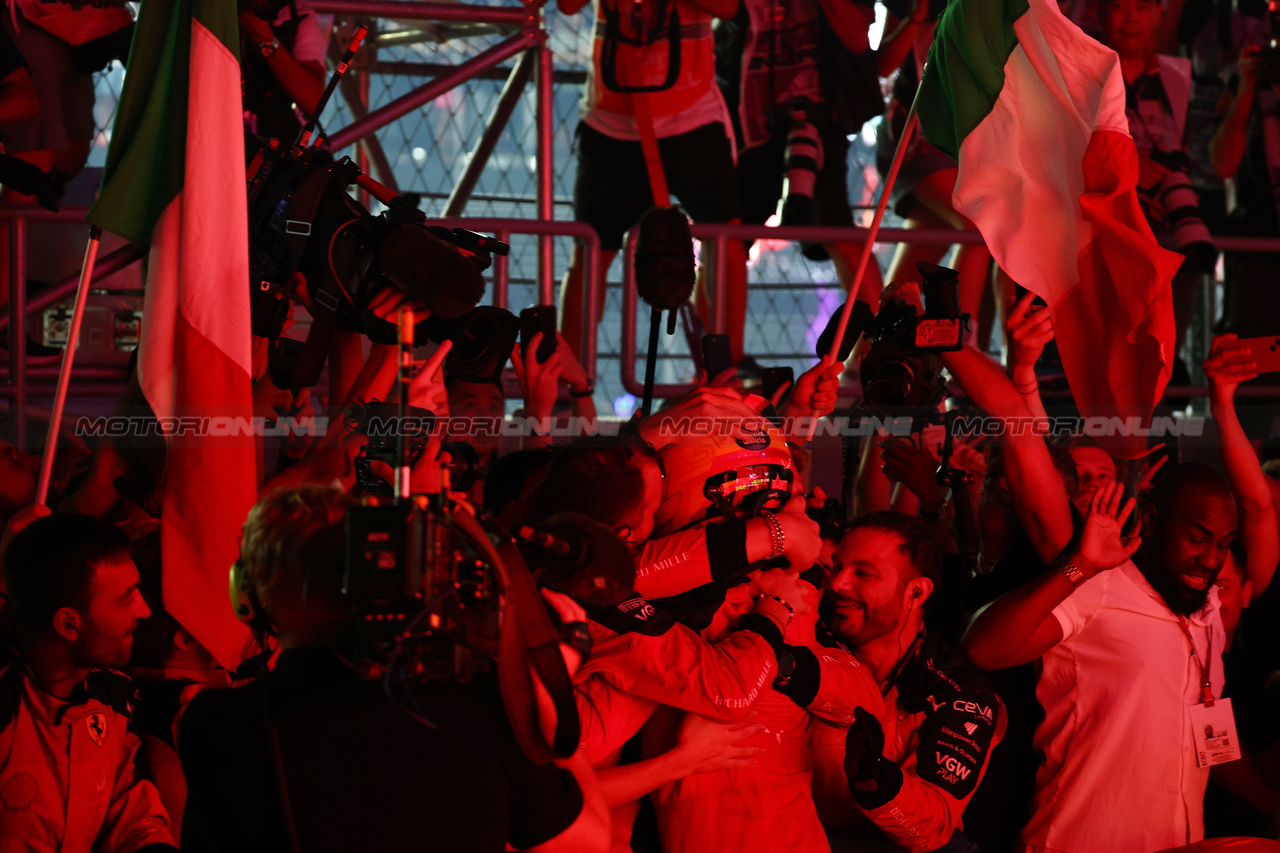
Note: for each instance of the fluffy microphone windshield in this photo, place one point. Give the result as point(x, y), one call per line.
point(665, 268)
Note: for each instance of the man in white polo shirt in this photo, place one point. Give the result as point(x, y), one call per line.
point(1129, 656)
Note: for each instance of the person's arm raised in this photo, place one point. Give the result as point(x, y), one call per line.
point(1040, 498)
point(1020, 626)
point(1226, 369)
point(1029, 332)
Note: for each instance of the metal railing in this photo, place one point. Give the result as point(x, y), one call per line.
point(529, 41)
point(713, 237)
point(31, 376)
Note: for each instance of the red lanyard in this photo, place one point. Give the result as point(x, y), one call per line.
point(1206, 688)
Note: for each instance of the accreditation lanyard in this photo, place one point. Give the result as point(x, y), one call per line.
point(1206, 685)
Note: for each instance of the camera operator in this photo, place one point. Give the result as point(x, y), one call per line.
point(66, 772)
point(461, 785)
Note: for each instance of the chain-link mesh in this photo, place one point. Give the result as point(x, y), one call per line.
point(789, 298)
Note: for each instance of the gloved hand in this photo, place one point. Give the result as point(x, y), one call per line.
point(863, 748)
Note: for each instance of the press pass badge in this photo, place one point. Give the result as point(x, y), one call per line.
point(1213, 726)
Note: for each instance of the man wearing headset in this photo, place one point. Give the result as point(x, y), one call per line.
point(313, 757)
point(912, 771)
point(66, 751)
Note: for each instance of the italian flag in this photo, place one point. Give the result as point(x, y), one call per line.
point(175, 182)
point(1033, 110)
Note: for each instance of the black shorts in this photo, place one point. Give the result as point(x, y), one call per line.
point(611, 189)
point(761, 171)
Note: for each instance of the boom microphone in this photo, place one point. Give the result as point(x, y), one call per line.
point(664, 262)
point(665, 273)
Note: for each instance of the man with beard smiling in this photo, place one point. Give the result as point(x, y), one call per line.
point(1126, 653)
point(911, 772)
point(66, 757)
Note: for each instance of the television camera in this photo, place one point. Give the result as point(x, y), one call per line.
point(310, 242)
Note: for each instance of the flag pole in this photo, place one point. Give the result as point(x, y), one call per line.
point(886, 191)
point(68, 359)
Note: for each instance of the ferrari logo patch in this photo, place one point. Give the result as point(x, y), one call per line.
point(96, 723)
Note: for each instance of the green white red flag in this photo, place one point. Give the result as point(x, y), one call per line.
point(1033, 110)
point(175, 182)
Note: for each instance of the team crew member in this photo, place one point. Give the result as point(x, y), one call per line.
point(913, 768)
point(710, 525)
point(767, 805)
point(66, 776)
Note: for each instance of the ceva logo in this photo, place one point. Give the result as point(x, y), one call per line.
point(974, 708)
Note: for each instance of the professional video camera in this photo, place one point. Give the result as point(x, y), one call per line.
point(1174, 204)
point(441, 596)
point(303, 220)
point(902, 371)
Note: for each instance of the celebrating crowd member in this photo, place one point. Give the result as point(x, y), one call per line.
point(713, 659)
point(793, 112)
point(1116, 710)
point(1158, 91)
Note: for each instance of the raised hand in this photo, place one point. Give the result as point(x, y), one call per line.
point(426, 389)
point(815, 393)
point(1102, 546)
point(539, 383)
point(1226, 367)
point(1029, 332)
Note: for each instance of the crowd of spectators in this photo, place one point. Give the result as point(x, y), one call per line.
point(1004, 641)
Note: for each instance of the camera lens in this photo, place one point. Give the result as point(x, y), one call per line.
point(888, 384)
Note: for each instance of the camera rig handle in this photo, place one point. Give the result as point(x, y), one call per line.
point(304, 134)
